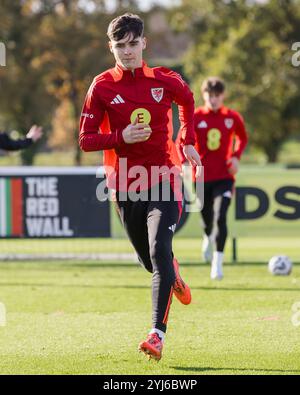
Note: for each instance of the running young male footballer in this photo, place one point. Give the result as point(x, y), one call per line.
point(127, 113)
point(220, 140)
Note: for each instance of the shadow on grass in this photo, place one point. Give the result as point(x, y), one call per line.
point(210, 369)
point(126, 286)
point(182, 264)
point(53, 265)
point(97, 286)
point(134, 265)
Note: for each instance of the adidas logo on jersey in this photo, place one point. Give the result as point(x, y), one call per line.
point(202, 124)
point(172, 228)
point(117, 100)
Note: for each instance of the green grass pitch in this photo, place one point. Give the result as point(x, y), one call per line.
point(88, 318)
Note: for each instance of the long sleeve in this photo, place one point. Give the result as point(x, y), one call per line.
point(185, 100)
point(179, 147)
point(241, 137)
point(9, 144)
point(93, 113)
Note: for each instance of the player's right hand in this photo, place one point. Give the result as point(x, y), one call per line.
point(136, 132)
point(35, 133)
point(193, 158)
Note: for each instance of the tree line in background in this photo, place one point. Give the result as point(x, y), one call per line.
point(56, 47)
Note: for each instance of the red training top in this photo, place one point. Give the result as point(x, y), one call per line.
point(219, 136)
point(116, 98)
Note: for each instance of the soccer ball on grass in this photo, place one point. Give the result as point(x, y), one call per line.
point(280, 265)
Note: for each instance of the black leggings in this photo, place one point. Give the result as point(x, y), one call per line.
point(217, 198)
point(150, 228)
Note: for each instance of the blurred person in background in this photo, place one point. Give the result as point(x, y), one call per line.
point(9, 144)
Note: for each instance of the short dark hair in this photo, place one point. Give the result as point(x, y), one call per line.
point(213, 85)
point(125, 24)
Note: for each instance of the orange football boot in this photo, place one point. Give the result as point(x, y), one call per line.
point(152, 346)
point(180, 289)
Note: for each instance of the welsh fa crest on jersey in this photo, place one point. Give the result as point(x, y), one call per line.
point(228, 123)
point(157, 94)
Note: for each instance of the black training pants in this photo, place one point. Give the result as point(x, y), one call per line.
point(217, 198)
point(150, 226)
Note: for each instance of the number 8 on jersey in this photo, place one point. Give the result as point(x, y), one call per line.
point(213, 139)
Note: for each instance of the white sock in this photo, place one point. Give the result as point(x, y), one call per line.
point(207, 247)
point(208, 239)
point(160, 333)
point(218, 258)
point(216, 272)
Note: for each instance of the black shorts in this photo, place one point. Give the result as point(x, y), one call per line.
point(212, 189)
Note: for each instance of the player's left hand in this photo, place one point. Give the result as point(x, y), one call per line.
point(233, 164)
point(193, 157)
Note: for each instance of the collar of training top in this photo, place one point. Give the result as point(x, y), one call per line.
point(118, 73)
point(222, 110)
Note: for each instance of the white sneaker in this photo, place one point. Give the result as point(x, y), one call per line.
point(207, 248)
point(216, 272)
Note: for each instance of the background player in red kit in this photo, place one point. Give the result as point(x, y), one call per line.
point(127, 111)
point(220, 140)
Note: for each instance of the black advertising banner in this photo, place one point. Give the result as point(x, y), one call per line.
point(52, 202)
